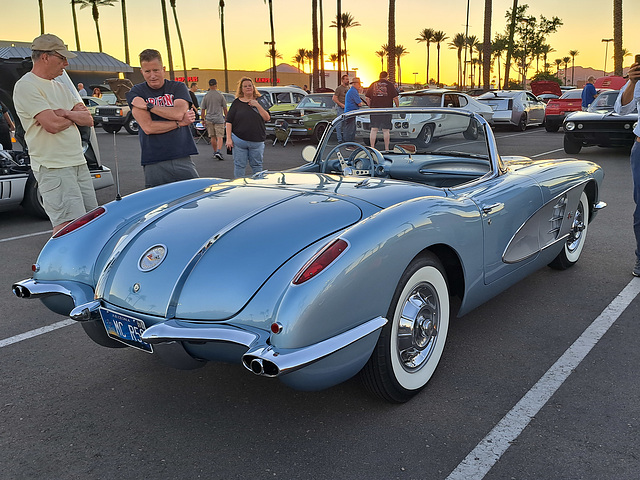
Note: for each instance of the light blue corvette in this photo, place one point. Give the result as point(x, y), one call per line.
point(343, 265)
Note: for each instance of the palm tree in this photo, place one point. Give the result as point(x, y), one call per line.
point(175, 19)
point(339, 37)
point(75, 24)
point(274, 78)
point(298, 59)
point(321, 34)
point(224, 45)
point(546, 49)
point(273, 53)
point(314, 37)
point(308, 55)
point(426, 35)
point(333, 58)
point(573, 54)
point(303, 55)
point(472, 42)
point(167, 38)
point(439, 37)
point(558, 62)
point(486, 47)
point(41, 11)
point(125, 30)
point(565, 60)
point(400, 52)
point(94, 4)
point(346, 21)
point(381, 54)
point(458, 43)
point(498, 46)
point(617, 37)
point(391, 41)
point(510, 44)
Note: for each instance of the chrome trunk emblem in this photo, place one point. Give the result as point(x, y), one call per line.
point(152, 258)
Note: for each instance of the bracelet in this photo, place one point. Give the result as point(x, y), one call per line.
point(177, 124)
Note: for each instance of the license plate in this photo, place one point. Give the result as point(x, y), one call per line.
point(125, 329)
point(105, 119)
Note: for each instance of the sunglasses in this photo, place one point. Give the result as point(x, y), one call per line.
point(56, 54)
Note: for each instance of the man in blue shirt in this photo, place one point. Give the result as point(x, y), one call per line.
point(352, 101)
point(588, 93)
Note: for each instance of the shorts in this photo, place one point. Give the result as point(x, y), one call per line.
point(67, 193)
point(169, 171)
point(215, 130)
point(381, 121)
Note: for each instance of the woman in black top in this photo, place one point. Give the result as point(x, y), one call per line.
point(246, 132)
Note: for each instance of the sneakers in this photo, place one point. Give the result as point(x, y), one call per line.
point(636, 269)
point(218, 156)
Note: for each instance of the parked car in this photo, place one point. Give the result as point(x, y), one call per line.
point(114, 117)
point(413, 125)
point(599, 125)
point(18, 186)
point(93, 102)
point(439, 97)
point(556, 110)
point(518, 108)
point(282, 99)
point(360, 254)
point(310, 118)
point(546, 90)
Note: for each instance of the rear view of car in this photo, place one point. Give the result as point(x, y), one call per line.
point(556, 110)
point(514, 107)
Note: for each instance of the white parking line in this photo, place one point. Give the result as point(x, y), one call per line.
point(482, 458)
point(34, 333)
point(48, 232)
point(548, 153)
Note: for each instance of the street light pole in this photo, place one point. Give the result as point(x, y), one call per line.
point(415, 78)
point(606, 48)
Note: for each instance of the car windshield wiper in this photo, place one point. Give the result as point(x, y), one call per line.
point(456, 154)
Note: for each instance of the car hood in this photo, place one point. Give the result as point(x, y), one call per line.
point(598, 115)
point(211, 254)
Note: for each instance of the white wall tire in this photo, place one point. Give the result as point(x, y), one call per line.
point(411, 344)
point(574, 244)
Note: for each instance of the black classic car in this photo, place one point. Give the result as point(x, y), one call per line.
point(114, 117)
point(599, 125)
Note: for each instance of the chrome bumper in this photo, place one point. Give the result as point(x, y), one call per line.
point(261, 358)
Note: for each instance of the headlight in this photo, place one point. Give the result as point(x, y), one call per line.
point(569, 126)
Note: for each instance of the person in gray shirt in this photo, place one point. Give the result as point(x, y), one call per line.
point(213, 111)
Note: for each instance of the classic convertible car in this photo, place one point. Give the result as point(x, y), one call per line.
point(345, 264)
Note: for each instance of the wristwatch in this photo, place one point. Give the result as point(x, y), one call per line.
point(150, 106)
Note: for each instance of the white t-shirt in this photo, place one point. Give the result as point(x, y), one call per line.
point(32, 95)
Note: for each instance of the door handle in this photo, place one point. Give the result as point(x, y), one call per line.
point(489, 208)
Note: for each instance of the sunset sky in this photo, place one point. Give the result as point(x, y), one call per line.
point(586, 23)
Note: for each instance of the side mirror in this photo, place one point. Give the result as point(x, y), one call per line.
point(308, 153)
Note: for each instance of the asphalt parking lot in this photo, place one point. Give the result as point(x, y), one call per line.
point(498, 407)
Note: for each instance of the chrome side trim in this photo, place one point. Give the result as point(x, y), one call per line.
point(173, 331)
point(283, 361)
point(30, 288)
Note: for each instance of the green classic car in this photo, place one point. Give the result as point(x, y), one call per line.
point(309, 119)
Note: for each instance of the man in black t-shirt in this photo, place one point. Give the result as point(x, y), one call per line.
point(161, 108)
point(381, 94)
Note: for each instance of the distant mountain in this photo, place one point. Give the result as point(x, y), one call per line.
point(582, 73)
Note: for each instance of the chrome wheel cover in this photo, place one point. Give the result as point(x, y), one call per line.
point(575, 235)
point(418, 327)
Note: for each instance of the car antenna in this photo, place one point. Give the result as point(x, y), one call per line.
point(115, 154)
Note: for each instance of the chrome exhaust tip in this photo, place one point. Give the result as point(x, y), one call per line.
point(261, 367)
point(20, 291)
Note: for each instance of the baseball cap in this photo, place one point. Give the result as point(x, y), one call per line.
point(50, 43)
point(213, 82)
point(355, 80)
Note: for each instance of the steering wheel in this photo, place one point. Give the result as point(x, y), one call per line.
point(355, 166)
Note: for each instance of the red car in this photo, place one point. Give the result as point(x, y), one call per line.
point(554, 113)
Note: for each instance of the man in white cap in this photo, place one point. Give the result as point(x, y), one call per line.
point(50, 114)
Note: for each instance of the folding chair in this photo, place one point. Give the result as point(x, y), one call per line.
point(200, 132)
point(282, 132)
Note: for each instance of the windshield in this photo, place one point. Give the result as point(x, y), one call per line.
point(435, 146)
point(604, 102)
point(316, 101)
